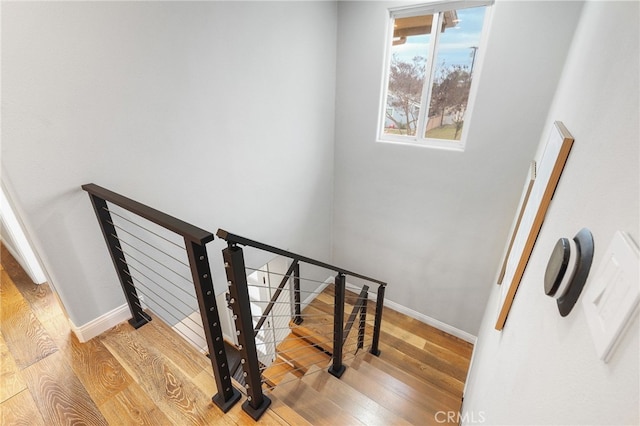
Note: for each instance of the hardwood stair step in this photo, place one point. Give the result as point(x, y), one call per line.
point(317, 329)
point(355, 403)
point(311, 404)
point(430, 354)
point(404, 358)
point(286, 413)
point(435, 394)
point(299, 353)
point(323, 303)
point(273, 374)
point(350, 297)
point(397, 397)
point(410, 327)
point(321, 338)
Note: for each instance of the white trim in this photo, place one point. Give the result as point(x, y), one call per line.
point(97, 326)
point(22, 251)
point(14, 252)
point(461, 334)
point(469, 370)
point(449, 329)
point(436, 7)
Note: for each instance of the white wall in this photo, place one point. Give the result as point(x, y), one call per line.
point(219, 113)
point(542, 368)
point(434, 223)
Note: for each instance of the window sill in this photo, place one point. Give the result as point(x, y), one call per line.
point(441, 144)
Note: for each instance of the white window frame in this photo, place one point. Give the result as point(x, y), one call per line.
point(436, 8)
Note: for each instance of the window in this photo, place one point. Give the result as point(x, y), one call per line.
point(433, 55)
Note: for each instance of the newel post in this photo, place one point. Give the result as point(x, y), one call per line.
point(337, 368)
point(256, 402)
point(378, 321)
point(227, 395)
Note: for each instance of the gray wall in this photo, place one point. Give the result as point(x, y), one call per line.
point(218, 113)
point(543, 369)
point(434, 223)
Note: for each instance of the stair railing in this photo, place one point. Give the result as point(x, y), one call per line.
point(293, 271)
point(359, 308)
point(248, 325)
point(145, 246)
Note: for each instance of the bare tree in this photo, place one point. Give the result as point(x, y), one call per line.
point(405, 90)
point(450, 94)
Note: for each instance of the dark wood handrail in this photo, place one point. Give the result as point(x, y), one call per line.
point(188, 231)
point(236, 239)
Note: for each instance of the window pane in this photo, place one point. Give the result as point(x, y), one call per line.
point(411, 38)
point(457, 51)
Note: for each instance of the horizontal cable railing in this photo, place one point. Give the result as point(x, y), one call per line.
point(274, 352)
point(163, 268)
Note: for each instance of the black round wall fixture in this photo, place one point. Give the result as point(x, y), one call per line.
point(568, 269)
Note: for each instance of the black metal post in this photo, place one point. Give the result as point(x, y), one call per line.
point(297, 319)
point(227, 395)
point(256, 402)
point(363, 320)
point(337, 368)
point(357, 308)
point(139, 317)
point(378, 321)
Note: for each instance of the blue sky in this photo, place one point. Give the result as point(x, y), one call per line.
point(455, 43)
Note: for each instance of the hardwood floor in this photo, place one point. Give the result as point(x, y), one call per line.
point(150, 376)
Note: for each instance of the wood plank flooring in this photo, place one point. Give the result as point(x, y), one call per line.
point(150, 376)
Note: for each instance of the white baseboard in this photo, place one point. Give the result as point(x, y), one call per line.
point(95, 327)
point(469, 370)
point(449, 329)
point(461, 334)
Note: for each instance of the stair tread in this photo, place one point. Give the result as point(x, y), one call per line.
point(311, 404)
point(411, 327)
point(300, 353)
point(435, 393)
point(413, 379)
point(350, 297)
point(389, 392)
point(355, 403)
point(429, 398)
point(318, 329)
point(276, 371)
point(424, 371)
point(439, 362)
point(286, 413)
point(315, 328)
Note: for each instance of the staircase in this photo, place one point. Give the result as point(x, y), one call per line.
point(384, 390)
point(339, 364)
